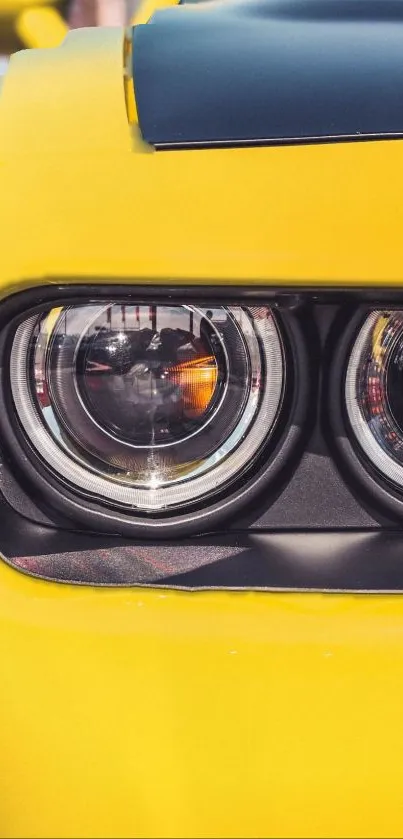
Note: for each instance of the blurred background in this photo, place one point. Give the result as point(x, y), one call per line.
point(43, 23)
point(101, 12)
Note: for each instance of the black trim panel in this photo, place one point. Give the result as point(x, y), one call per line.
point(357, 561)
point(270, 71)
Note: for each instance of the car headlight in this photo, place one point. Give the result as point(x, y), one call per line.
point(148, 408)
point(374, 393)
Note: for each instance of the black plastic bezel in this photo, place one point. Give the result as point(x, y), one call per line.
point(266, 475)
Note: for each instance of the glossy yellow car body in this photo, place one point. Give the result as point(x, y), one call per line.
point(132, 713)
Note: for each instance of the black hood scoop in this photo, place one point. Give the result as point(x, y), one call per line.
point(260, 72)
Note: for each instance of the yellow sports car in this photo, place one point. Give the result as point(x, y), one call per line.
point(201, 431)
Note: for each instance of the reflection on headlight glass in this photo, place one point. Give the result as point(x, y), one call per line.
point(148, 405)
point(374, 392)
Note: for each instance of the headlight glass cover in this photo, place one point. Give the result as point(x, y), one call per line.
point(148, 407)
point(374, 392)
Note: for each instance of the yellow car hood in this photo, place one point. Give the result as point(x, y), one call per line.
point(98, 202)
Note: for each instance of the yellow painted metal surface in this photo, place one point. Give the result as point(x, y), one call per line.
point(146, 9)
point(99, 202)
point(161, 714)
point(138, 713)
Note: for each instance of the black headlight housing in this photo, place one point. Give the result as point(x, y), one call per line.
point(365, 396)
point(150, 415)
point(308, 509)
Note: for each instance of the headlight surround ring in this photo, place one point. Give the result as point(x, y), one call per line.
point(359, 453)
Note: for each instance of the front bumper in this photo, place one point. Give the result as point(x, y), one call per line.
point(155, 713)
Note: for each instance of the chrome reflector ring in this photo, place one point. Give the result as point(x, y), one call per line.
point(98, 475)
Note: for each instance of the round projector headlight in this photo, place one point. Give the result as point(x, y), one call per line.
point(374, 393)
point(148, 408)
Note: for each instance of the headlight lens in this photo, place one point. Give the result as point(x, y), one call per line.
point(148, 407)
point(374, 392)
